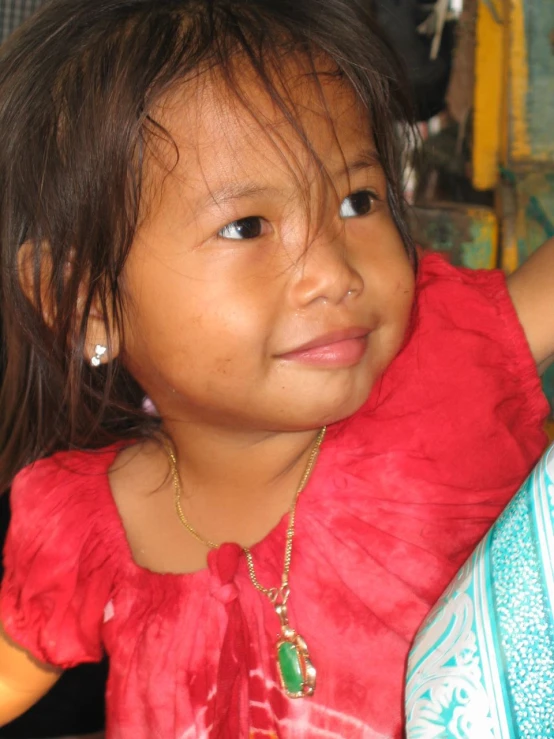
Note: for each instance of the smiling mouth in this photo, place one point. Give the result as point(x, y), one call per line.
point(336, 349)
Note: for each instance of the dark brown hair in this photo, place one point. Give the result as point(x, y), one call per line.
point(77, 85)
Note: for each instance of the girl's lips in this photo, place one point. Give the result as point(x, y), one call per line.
point(336, 349)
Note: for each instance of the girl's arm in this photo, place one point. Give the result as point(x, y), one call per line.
point(532, 291)
point(23, 680)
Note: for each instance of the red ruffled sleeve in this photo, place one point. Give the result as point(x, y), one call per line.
point(475, 307)
point(56, 583)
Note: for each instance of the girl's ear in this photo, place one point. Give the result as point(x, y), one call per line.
point(100, 347)
point(34, 277)
point(102, 341)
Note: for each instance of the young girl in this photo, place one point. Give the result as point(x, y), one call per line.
point(250, 439)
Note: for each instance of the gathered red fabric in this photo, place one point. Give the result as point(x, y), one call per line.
point(233, 666)
point(402, 492)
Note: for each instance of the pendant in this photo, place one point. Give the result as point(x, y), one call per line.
point(296, 671)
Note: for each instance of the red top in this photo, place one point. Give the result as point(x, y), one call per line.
point(402, 492)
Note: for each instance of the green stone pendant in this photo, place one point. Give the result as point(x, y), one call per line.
point(296, 671)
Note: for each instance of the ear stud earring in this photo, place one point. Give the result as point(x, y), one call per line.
point(99, 352)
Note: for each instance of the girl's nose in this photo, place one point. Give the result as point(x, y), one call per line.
point(325, 272)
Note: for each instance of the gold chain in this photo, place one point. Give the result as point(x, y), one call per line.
point(274, 594)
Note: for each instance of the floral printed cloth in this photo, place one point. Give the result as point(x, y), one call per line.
point(483, 665)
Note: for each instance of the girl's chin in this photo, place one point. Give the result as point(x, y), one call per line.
point(327, 413)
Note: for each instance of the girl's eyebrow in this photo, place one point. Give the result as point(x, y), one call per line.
point(229, 192)
point(366, 159)
point(232, 191)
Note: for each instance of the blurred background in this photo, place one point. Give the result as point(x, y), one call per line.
point(480, 180)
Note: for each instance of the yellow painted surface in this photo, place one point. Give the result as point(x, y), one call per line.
point(482, 251)
point(527, 215)
point(510, 255)
point(489, 96)
point(519, 84)
point(506, 207)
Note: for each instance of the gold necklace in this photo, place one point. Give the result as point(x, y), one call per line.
point(296, 670)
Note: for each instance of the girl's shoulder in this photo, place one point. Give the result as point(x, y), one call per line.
point(438, 278)
point(70, 465)
point(59, 562)
point(64, 484)
point(64, 503)
point(467, 336)
point(465, 320)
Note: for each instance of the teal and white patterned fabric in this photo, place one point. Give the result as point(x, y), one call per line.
point(482, 666)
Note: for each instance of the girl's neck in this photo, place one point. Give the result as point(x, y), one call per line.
point(235, 488)
point(229, 465)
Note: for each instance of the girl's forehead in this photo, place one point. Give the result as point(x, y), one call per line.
point(221, 130)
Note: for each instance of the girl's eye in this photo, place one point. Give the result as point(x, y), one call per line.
point(357, 204)
point(245, 228)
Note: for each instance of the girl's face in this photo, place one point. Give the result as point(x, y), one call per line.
point(261, 294)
